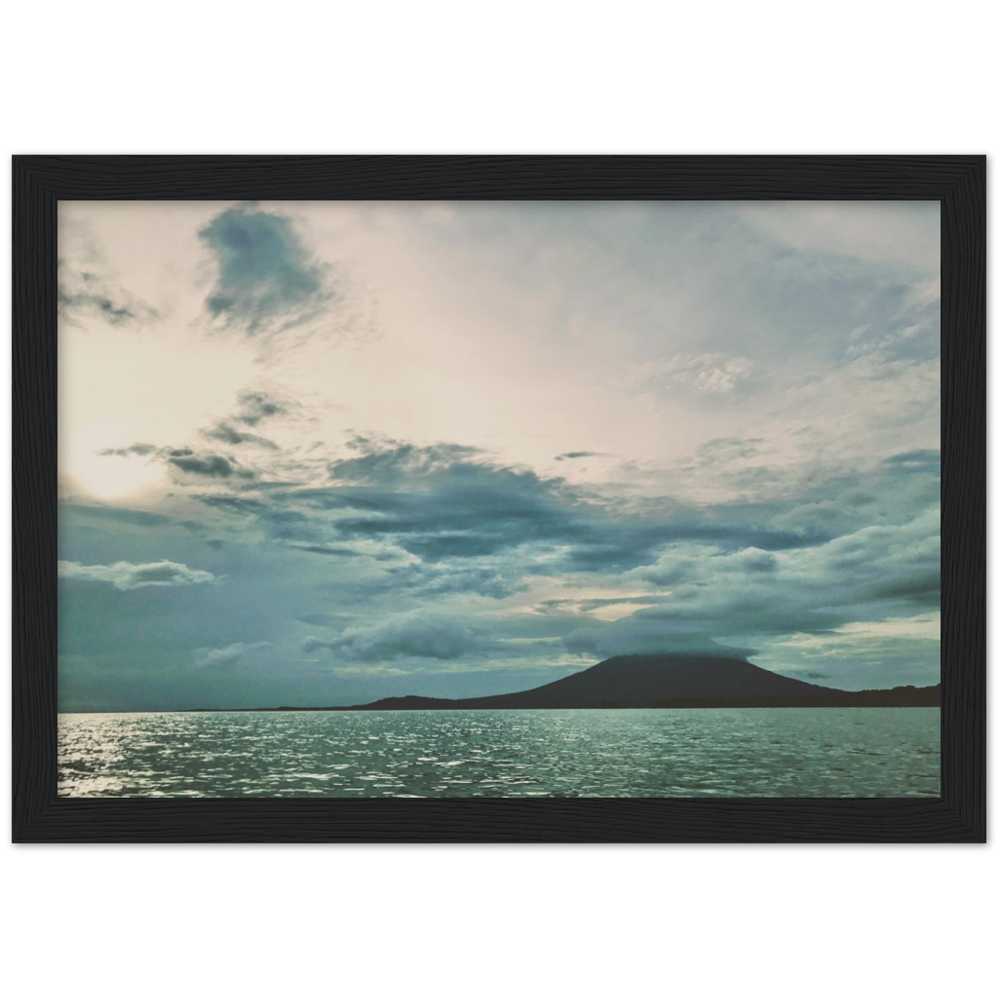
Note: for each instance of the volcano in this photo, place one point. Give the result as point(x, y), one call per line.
point(671, 681)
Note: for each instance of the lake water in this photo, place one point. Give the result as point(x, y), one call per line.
point(787, 752)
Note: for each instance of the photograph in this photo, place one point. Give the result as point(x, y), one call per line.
point(502, 499)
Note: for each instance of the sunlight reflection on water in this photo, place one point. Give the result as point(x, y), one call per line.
point(784, 752)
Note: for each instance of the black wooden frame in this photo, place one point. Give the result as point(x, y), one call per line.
point(958, 182)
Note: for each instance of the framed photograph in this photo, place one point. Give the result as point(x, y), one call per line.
point(499, 498)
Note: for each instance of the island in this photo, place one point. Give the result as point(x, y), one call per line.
point(665, 681)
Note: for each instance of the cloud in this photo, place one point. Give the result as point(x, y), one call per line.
point(266, 277)
point(727, 450)
point(340, 551)
point(442, 522)
point(447, 499)
point(387, 462)
point(419, 634)
point(442, 500)
point(144, 518)
point(493, 577)
point(226, 656)
point(207, 465)
point(447, 502)
point(255, 406)
point(615, 640)
point(876, 572)
point(578, 454)
point(132, 449)
point(872, 231)
point(132, 576)
point(711, 373)
point(245, 506)
point(904, 650)
point(227, 433)
point(923, 460)
point(85, 293)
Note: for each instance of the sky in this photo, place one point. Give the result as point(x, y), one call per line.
point(323, 453)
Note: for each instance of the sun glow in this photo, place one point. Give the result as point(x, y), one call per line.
point(107, 476)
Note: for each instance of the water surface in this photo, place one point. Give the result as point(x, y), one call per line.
point(785, 752)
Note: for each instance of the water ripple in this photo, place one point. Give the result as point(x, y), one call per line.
point(827, 753)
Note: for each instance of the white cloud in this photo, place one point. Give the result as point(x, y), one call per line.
point(883, 232)
point(704, 372)
point(226, 656)
point(132, 576)
point(410, 634)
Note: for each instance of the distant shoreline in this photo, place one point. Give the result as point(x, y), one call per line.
point(927, 697)
point(931, 700)
point(666, 681)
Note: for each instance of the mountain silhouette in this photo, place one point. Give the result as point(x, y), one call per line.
point(671, 681)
